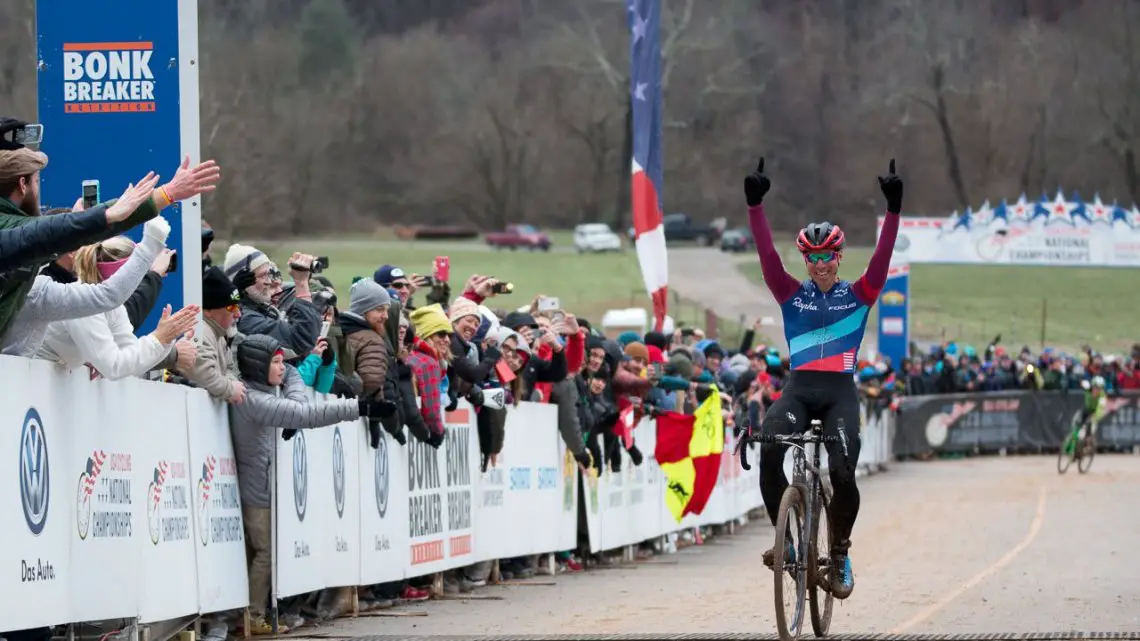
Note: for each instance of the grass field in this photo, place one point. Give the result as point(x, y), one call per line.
point(972, 303)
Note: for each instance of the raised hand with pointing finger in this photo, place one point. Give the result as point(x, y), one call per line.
point(756, 185)
point(892, 187)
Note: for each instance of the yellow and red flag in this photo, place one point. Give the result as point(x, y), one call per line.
point(689, 451)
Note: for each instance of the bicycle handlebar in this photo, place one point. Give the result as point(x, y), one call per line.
point(797, 439)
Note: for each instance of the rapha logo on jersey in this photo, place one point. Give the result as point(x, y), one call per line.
point(799, 304)
point(338, 472)
point(35, 477)
point(300, 475)
point(108, 77)
point(380, 476)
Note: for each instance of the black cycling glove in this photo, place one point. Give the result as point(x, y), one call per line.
point(892, 187)
point(756, 185)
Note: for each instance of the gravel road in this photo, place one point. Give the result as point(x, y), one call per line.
point(974, 546)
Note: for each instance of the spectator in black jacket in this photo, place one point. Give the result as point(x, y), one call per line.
point(259, 282)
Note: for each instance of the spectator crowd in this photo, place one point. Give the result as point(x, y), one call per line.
point(75, 290)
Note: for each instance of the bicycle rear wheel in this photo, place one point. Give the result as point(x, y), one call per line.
point(1064, 458)
point(820, 599)
point(1087, 449)
point(790, 573)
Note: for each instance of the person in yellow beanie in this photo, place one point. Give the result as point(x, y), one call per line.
point(428, 359)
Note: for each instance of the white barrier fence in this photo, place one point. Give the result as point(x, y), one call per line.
point(133, 485)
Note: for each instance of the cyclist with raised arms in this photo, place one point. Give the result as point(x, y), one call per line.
point(824, 320)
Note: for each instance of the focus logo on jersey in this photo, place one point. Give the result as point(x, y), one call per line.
point(108, 77)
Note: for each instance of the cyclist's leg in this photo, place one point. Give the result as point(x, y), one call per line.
point(841, 419)
point(786, 416)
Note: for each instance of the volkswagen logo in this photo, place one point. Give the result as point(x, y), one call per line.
point(380, 475)
point(338, 472)
point(35, 473)
point(300, 475)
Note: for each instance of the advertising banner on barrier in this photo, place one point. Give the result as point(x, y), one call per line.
point(163, 456)
point(441, 495)
point(525, 485)
point(1017, 420)
point(339, 492)
point(35, 561)
point(218, 532)
point(304, 473)
point(107, 491)
point(383, 509)
point(122, 79)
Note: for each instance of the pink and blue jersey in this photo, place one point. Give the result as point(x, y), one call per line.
point(824, 329)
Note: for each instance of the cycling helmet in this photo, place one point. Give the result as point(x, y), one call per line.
point(1098, 381)
point(818, 237)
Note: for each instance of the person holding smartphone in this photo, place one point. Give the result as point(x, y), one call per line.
point(31, 241)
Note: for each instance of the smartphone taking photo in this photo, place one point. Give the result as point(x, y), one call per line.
point(90, 193)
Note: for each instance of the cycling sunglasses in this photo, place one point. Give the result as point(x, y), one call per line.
point(815, 258)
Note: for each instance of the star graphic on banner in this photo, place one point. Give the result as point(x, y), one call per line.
point(639, 92)
point(962, 220)
point(1020, 210)
point(984, 215)
point(1059, 210)
point(1099, 212)
point(639, 26)
point(1001, 212)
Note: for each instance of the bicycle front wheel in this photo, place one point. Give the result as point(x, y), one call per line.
point(1065, 457)
point(1087, 448)
point(789, 568)
point(819, 575)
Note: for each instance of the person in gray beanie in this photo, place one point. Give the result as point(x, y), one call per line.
point(365, 326)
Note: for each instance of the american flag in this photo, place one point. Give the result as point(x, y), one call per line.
point(94, 467)
point(159, 481)
point(849, 359)
point(645, 96)
point(207, 476)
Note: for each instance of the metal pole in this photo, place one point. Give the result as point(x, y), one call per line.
point(273, 531)
point(1044, 317)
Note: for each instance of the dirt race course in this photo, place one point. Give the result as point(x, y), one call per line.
point(977, 546)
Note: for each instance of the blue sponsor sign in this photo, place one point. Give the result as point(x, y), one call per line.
point(894, 313)
point(113, 78)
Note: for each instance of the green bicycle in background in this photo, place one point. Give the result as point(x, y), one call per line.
point(1080, 444)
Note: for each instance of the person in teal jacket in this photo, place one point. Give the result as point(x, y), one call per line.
point(318, 369)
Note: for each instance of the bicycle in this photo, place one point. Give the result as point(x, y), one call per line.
point(803, 506)
point(1077, 447)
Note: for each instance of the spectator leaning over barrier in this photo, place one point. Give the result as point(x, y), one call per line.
point(19, 206)
point(428, 360)
point(50, 301)
point(365, 326)
point(214, 369)
point(106, 342)
point(275, 398)
point(145, 296)
point(259, 282)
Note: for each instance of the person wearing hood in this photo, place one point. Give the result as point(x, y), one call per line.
point(428, 359)
point(214, 368)
point(366, 326)
point(275, 398)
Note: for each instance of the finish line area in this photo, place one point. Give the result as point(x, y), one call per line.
point(972, 549)
point(714, 637)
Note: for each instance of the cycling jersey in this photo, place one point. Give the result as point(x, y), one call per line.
point(824, 329)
